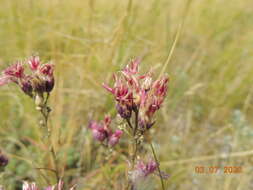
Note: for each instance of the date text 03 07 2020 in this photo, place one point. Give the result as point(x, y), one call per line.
point(216, 169)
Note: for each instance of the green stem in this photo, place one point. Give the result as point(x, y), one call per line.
point(135, 145)
point(136, 122)
point(158, 167)
point(45, 111)
point(55, 163)
point(129, 123)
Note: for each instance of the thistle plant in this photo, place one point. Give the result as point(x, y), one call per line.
point(102, 132)
point(36, 80)
point(138, 97)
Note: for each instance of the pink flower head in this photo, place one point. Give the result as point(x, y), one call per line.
point(143, 170)
point(13, 73)
point(102, 132)
point(16, 70)
point(151, 101)
point(160, 87)
point(146, 168)
point(5, 80)
point(123, 96)
point(132, 68)
point(34, 63)
point(45, 82)
point(120, 90)
point(98, 131)
point(107, 121)
point(47, 70)
point(138, 93)
point(38, 81)
point(147, 81)
point(29, 186)
point(114, 138)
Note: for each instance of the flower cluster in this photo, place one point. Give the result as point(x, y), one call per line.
point(144, 169)
point(141, 171)
point(102, 132)
point(134, 92)
point(39, 80)
point(33, 186)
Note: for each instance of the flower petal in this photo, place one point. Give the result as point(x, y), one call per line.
point(4, 80)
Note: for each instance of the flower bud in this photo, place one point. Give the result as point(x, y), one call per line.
point(26, 86)
point(38, 85)
point(3, 161)
point(46, 75)
point(142, 170)
point(99, 134)
point(124, 111)
point(98, 131)
point(114, 138)
point(102, 132)
point(49, 84)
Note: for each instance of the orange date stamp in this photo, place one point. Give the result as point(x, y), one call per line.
point(218, 169)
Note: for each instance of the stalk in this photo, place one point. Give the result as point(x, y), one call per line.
point(158, 166)
point(45, 112)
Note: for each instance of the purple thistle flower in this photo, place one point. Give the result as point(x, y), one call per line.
point(135, 92)
point(34, 63)
point(98, 131)
point(146, 169)
point(102, 132)
point(39, 80)
point(133, 67)
point(114, 138)
point(16, 70)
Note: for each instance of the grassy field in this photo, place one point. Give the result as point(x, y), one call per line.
point(205, 121)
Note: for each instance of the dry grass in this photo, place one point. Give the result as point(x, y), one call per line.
point(207, 116)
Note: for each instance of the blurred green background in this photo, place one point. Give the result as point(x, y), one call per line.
point(205, 121)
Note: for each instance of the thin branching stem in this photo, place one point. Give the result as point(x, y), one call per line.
point(135, 144)
point(45, 111)
point(55, 163)
point(158, 166)
point(129, 123)
point(136, 121)
point(135, 137)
